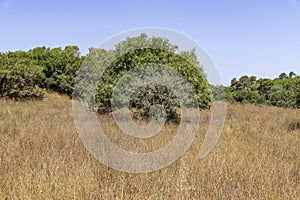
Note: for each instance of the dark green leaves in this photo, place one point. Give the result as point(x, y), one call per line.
point(283, 91)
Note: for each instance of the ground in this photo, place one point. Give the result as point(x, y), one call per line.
point(42, 157)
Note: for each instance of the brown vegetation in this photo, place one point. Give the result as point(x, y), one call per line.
point(42, 157)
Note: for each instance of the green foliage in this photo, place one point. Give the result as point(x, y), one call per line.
point(150, 95)
point(245, 90)
point(60, 66)
point(219, 92)
point(283, 76)
point(21, 80)
point(264, 89)
point(283, 91)
point(28, 74)
point(137, 53)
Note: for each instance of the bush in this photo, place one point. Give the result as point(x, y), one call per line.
point(285, 93)
point(133, 53)
point(21, 81)
point(282, 92)
point(24, 74)
point(60, 67)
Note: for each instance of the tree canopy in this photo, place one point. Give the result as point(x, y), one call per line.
point(283, 91)
point(29, 74)
point(150, 55)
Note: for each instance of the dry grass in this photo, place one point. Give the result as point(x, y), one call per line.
point(42, 157)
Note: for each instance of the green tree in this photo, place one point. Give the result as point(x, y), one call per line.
point(219, 92)
point(60, 66)
point(285, 92)
point(144, 51)
point(264, 89)
point(245, 90)
point(20, 79)
point(297, 91)
point(283, 76)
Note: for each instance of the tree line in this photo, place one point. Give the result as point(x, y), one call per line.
point(283, 91)
point(27, 75)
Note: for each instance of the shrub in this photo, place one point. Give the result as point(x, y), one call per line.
point(60, 67)
point(133, 53)
point(21, 80)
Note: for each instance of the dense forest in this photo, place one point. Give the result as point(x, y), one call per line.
point(28, 75)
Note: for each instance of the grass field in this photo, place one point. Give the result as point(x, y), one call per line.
point(42, 157)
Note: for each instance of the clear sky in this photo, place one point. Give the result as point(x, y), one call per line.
point(253, 37)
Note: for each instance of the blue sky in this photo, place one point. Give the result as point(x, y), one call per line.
point(253, 37)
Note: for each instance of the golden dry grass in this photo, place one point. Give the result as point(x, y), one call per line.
point(42, 157)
